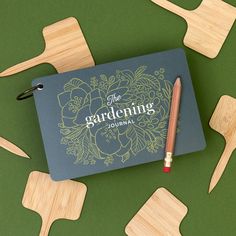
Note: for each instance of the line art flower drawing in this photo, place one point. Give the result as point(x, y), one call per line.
point(80, 99)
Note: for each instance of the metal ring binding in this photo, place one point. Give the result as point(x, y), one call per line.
point(29, 92)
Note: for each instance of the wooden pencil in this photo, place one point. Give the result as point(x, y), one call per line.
point(172, 126)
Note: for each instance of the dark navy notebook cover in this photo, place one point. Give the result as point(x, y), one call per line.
point(115, 115)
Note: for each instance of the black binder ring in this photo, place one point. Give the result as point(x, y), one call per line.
point(29, 92)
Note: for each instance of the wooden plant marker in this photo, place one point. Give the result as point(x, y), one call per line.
point(223, 121)
point(208, 25)
point(65, 48)
point(53, 200)
point(11, 147)
point(161, 215)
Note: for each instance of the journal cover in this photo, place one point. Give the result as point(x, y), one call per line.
point(115, 115)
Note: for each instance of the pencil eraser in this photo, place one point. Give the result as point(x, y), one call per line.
point(166, 169)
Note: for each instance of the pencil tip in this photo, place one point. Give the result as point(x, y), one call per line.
point(178, 79)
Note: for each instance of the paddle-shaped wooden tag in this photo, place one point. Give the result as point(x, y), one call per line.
point(223, 121)
point(65, 48)
point(161, 215)
point(208, 24)
point(53, 200)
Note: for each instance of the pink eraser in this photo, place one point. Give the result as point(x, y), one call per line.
point(166, 169)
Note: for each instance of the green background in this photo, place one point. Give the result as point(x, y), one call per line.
point(114, 30)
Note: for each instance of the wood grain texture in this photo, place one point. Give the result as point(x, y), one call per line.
point(208, 25)
point(53, 200)
point(11, 147)
point(65, 48)
point(223, 121)
point(161, 215)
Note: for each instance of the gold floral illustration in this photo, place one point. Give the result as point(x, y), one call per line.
point(81, 98)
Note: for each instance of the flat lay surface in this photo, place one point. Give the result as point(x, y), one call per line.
point(114, 30)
